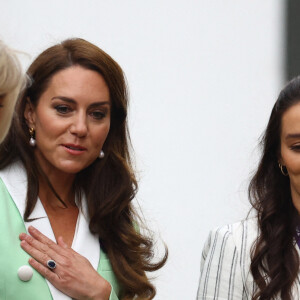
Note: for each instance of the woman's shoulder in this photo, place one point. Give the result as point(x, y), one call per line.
point(13, 171)
point(238, 236)
point(237, 229)
point(226, 259)
point(14, 180)
point(245, 224)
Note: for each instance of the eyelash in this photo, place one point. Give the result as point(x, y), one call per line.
point(98, 115)
point(295, 148)
point(64, 109)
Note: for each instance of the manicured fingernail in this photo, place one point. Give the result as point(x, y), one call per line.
point(31, 228)
point(22, 235)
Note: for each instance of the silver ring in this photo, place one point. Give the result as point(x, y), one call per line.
point(51, 264)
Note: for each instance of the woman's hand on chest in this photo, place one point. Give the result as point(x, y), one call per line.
point(73, 274)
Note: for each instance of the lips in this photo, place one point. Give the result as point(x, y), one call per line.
point(74, 147)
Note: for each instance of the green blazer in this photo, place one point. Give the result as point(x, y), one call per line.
point(12, 256)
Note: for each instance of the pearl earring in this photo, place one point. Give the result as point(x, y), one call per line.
point(32, 141)
point(101, 154)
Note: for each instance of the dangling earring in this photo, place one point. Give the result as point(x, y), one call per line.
point(101, 154)
point(32, 141)
point(282, 171)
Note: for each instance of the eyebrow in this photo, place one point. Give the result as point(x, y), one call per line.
point(70, 100)
point(292, 136)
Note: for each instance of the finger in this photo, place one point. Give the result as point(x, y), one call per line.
point(69, 250)
point(42, 238)
point(46, 241)
point(44, 271)
point(38, 250)
point(61, 242)
point(35, 243)
point(35, 253)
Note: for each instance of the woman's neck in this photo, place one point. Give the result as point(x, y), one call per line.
point(55, 187)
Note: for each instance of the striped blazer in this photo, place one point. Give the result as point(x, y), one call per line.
point(225, 263)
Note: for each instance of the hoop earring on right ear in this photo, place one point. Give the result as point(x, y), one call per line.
point(32, 141)
point(282, 171)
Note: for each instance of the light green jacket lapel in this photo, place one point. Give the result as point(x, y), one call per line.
point(12, 257)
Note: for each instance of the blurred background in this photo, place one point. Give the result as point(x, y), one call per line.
point(203, 77)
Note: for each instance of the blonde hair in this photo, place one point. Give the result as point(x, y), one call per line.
point(11, 82)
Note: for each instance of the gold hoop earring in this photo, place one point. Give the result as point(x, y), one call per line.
point(282, 171)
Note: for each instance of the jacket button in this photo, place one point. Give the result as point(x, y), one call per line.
point(25, 273)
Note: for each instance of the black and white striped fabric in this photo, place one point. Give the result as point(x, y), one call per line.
point(225, 263)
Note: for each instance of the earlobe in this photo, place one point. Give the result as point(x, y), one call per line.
point(29, 114)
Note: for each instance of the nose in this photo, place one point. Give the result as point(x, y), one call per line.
point(79, 125)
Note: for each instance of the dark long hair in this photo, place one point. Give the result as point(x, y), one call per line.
point(110, 183)
point(274, 257)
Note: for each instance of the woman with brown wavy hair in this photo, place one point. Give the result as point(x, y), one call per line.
point(66, 185)
point(258, 258)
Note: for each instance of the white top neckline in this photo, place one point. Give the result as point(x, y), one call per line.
point(84, 242)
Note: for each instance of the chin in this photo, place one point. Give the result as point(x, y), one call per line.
point(72, 168)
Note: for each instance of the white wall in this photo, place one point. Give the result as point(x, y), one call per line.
point(203, 77)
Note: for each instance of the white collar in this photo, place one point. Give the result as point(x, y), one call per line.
point(84, 242)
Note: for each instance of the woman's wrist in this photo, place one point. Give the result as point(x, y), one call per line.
point(102, 292)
